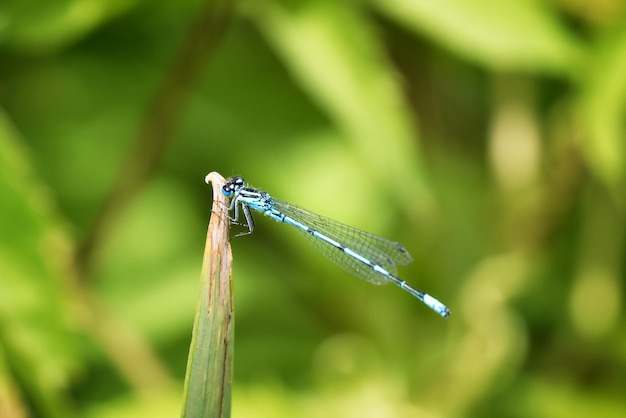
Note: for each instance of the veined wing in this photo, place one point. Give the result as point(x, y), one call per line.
point(380, 251)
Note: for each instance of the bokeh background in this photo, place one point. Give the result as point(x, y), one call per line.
point(486, 136)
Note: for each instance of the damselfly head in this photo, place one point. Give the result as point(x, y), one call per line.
point(232, 185)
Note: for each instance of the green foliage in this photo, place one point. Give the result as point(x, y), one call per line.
point(38, 340)
point(485, 136)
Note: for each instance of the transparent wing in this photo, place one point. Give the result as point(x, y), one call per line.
point(383, 252)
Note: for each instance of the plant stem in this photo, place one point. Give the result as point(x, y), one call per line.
point(209, 367)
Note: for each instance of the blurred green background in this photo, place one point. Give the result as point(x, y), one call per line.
point(485, 136)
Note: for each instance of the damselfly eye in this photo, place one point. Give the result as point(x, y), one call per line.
point(232, 185)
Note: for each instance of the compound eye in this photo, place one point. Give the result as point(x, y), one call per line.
point(227, 190)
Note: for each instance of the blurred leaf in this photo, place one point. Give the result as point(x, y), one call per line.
point(39, 26)
point(36, 310)
point(136, 274)
point(332, 50)
point(603, 107)
point(11, 405)
point(155, 404)
point(504, 35)
point(79, 129)
point(542, 398)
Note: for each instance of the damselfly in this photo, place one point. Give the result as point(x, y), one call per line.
point(366, 256)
